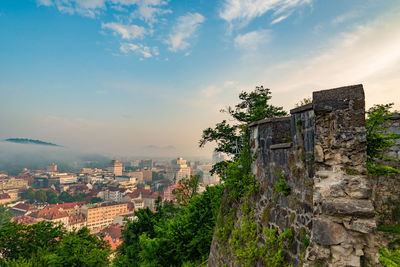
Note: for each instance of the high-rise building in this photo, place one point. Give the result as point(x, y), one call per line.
point(52, 167)
point(116, 167)
point(146, 164)
point(178, 170)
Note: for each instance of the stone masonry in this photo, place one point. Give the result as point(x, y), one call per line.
point(320, 151)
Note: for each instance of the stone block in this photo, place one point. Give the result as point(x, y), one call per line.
point(325, 232)
point(362, 225)
point(349, 207)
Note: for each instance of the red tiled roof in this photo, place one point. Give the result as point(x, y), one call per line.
point(24, 206)
point(74, 219)
point(71, 205)
point(24, 220)
point(4, 196)
point(113, 230)
point(50, 214)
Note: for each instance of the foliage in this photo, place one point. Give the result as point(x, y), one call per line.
point(187, 189)
point(304, 101)
point(248, 248)
point(281, 186)
point(253, 107)
point(23, 241)
point(48, 244)
point(95, 200)
point(5, 215)
point(156, 176)
point(40, 196)
point(52, 197)
point(389, 258)
point(379, 139)
point(29, 194)
point(395, 229)
point(173, 235)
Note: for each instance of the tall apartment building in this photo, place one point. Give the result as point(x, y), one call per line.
point(101, 215)
point(178, 170)
point(52, 167)
point(116, 167)
point(146, 164)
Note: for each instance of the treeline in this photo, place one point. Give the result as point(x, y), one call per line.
point(49, 196)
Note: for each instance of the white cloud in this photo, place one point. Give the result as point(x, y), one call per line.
point(44, 2)
point(241, 12)
point(345, 17)
point(184, 30)
point(128, 32)
point(367, 55)
point(252, 40)
point(281, 18)
point(144, 51)
point(146, 10)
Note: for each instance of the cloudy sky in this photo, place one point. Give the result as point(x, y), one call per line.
point(144, 77)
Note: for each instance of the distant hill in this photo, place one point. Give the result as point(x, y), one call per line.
point(29, 141)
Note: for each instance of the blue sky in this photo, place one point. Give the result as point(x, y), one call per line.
point(144, 77)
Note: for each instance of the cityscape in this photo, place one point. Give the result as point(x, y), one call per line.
point(99, 199)
point(181, 133)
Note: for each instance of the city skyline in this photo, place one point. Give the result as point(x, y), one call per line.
point(139, 77)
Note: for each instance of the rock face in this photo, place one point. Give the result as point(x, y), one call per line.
point(320, 150)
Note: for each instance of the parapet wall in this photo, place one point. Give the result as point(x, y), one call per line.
point(320, 150)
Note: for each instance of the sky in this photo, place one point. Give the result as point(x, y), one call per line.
point(145, 77)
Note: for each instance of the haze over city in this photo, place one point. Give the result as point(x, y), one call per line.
point(126, 78)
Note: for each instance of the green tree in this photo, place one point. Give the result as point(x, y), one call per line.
point(95, 200)
point(40, 196)
point(52, 197)
point(81, 249)
point(5, 215)
point(29, 194)
point(23, 241)
point(48, 244)
point(379, 138)
point(187, 189)
point(254, 106)
point(66, 197)
point(171, 236)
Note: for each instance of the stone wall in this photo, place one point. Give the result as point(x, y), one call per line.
point(386, 195)
point(320, 151)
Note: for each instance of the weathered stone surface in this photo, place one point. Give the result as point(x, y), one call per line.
point(358, 187)
point(350, 207)
point(326, 232)
point(361, 225)
point(318, 153)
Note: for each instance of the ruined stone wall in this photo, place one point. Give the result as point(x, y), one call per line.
point(320, 151)
point(386, 195)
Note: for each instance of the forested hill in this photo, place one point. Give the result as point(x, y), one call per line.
point(29, 141)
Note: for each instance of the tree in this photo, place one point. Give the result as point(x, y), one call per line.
point(66, 197)
point(48, 244)
point(95, 200)
point(234, 140)
point(379, 139)
point(254, 106)
point(23, 241)
point(40, 196)
point(187, 189)
point(171, 236)
point(5, 215)
point(82, 249)
point(52, 197)
point(29, 194)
